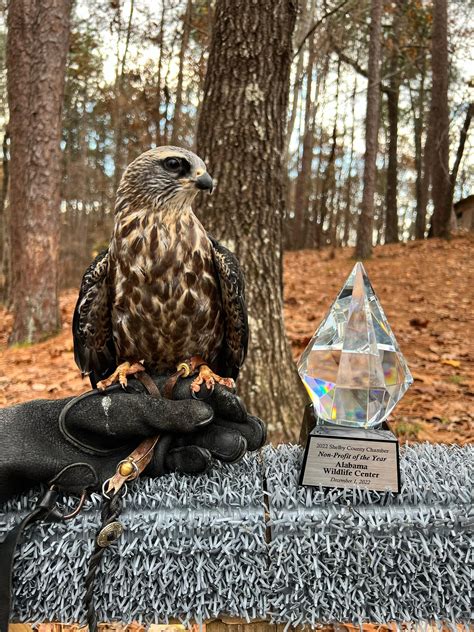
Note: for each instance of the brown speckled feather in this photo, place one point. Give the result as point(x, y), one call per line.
point(165, 290)
point(166, 305)
point(234, 310)
point(94, 350)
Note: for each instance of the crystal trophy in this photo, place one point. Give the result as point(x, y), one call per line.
point(355, 374)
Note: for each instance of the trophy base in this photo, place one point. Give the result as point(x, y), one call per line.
point(350, 458)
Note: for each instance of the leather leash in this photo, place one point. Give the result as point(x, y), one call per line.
point(114, 489)
point(127, 470)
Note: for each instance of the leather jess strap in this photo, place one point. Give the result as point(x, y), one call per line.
point(149, 384)
point(47, 511)
point(130, 468)
point(184, 369)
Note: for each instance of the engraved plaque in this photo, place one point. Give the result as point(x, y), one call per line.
point(358, 458)
point(355, 374)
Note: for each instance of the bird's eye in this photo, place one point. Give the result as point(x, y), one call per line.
point(172, 164)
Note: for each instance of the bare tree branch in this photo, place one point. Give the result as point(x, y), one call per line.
point(318, 24)
point(352, 62)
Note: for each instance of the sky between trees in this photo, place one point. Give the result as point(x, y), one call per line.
point(130, 61)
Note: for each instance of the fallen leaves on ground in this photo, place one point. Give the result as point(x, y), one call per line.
point(43, 370)
point(425, 288)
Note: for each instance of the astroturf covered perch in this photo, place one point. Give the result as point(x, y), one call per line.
point(197, 548)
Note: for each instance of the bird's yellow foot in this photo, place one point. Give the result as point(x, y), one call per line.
point(209, 378)
point(120, 375)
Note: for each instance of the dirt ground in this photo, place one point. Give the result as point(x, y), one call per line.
point(426, 290)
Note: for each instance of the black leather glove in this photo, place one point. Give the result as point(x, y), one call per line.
point(101, 429)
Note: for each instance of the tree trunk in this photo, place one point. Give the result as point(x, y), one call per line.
point(393, 95)
point(303, 181)
point(294, 104)
point(4, 249)
point(328, 177)
point(422, 158)
point(157, 109)
point(348, 196)
point(425, 185)
point(311, 230)
point(178, 105)
point(391, 221)
point(4, 189)
point(306, 10)
point(37, 46)
point(462, 141)
point(119, 97)
point(366, 218)
point(336, 206)
point(241, 134)
point(439, 121)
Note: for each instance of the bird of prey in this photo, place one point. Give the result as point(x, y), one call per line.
point(164, 291)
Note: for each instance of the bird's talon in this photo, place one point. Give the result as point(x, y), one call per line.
point(120, 375)
point(196, 384)
point(210, 384)
point(209, 378)
point(228, 382)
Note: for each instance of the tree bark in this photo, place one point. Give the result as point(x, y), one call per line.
point(241, 134)
point(4, 189)
point(306, 10)
point(348, 196)
point(178, 105)
point(439, 121)
point(303, 180)
point(459, 153)
point(425, 186)
point(157, 109)
point(294, 104)
point(393, 95)
point(37, 45)
point(118, 96)
point(328, 177)
point(422, 158)
point(391, 218)
point(311, 229)
point(4, 240)
point(366, 218)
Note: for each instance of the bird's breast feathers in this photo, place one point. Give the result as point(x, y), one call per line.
point(166, 300)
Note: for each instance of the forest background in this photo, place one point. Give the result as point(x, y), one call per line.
point(137, 74)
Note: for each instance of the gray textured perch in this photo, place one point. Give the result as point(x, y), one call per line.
point(196, 548)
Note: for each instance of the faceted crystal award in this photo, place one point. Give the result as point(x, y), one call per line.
point(355, 374)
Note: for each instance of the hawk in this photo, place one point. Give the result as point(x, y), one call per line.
point(165, 291)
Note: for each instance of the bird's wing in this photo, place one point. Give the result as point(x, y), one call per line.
point(94, 349)
point(232, 288)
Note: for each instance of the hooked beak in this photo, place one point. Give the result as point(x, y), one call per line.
point(204, 182)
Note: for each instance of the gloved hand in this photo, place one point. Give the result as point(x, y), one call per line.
point(102, 429)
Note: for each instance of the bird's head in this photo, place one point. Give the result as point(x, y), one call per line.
point(165, 176)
